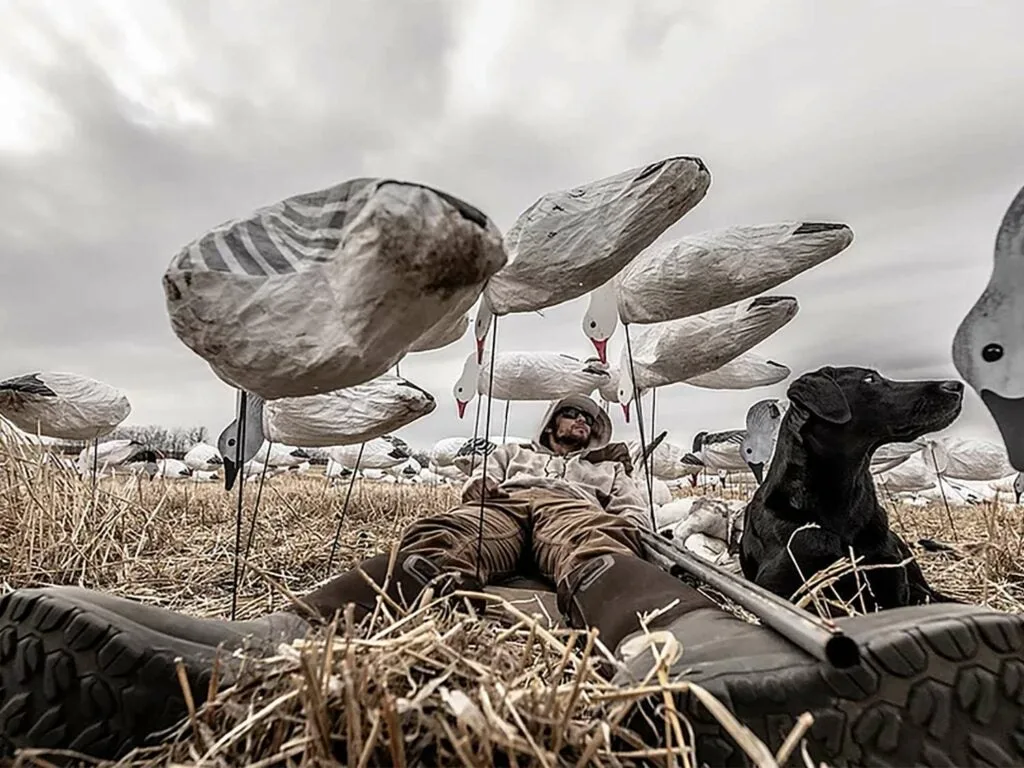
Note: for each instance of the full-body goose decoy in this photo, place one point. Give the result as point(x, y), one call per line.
point(331, 288)
point(571, 241)
point(203, 457)
point(448, 331)
point(111, 454)
point(675, 351)
point(747, 371)
point(528, 376)
point(64, 406)
point(988, 346)
point(703, 272)
point(758, 444)
point(380, 453)
point(972, 459)
point(345, 417)
point(721, 450)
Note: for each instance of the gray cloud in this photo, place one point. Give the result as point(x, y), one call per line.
point(154, 123)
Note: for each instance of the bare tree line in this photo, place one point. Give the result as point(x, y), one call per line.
point(171, 442)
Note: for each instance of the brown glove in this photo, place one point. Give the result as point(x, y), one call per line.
point(485, 486)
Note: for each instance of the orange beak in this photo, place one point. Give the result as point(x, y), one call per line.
point(479, 351)
point(462, 407)
point(625, 411)
point(601, 345)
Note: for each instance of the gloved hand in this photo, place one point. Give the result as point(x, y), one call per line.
point(485, 486)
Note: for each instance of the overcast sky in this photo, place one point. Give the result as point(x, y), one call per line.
point(129, 128)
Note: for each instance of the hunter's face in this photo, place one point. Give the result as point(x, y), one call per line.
point(573, 425)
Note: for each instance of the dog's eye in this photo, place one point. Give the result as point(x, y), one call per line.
point(990, 353)
point(870, 379)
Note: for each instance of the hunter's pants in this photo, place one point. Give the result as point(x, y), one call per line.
point(531, 531)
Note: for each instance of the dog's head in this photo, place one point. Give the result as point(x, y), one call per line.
point(851, 409)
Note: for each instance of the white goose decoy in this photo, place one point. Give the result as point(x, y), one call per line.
point(344, 417)
point(380, 453)
point(347, 416)
point(64, 406)
point(443, 452)
point(331, 288)
point(748, 371)
point(407, 470)
point(675, 351)
point(171, 469)
point(569, 242)
point(974, 459)
point(763, 421)
point(721, 451)
point(891, 455)
point(203, 457)
point(666, 460)
point(915, 474)
point(528, 376)
point(113, 453)
point(336, 470)
point(601, 318)
point(707, 271)
point(278, 455)
point(204, 476)
point(988, 347)
point(702, 272)
point(448, 331)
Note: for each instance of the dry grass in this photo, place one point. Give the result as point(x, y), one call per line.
point(429, 685)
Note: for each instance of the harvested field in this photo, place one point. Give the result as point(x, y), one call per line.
point(424, 686)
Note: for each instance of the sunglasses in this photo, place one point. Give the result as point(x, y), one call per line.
point(575, 413)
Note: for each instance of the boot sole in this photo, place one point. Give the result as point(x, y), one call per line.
point(81, 679)
point(947, 691)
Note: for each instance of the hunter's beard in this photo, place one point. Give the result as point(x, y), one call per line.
point(570, 441)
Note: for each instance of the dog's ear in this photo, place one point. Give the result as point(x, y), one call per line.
point(820, 394)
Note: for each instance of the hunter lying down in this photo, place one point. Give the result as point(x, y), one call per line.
point(560, 508)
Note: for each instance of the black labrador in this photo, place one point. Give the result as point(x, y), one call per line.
point(820, 473)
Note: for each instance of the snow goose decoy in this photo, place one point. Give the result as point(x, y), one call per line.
point(675, 351)
point(763, 421)
point(988, 348)
point(571, 241)
point(329, 289)
point(114, 453)
point(748, 371)
point(702, 272)
point(344, 417)
point(172, 469)
point(380, 453)
point(973, 459)
point(203, 457)
point(721, 450)
point(448, 331)
point(64, 406)
point(347, 416)
point(528, 376)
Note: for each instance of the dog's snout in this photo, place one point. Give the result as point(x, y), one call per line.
point(953, 387)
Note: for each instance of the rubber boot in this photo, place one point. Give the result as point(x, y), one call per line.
point(89, 672)
point(84, 671)
point(609, 591)
point(935, 685)
point(410, 574)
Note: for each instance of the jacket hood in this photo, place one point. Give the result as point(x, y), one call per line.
point(600, 433)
